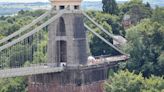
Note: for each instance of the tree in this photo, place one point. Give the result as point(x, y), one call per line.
point(108, 22)
point(158, 15)
point(148, 5)
point(18, 84)
point(137, 10)
point(125, 81)
point(110, 6)
point(161, 59)
point(153, 84)
point(145, 45)
point(22, 52)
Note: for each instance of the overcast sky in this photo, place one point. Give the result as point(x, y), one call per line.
point(41, 0)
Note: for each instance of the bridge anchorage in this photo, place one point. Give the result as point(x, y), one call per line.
point(58, 51)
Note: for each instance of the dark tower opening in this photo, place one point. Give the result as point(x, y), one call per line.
point(61, 28)
point(62, 7)
point(76, 7)
point(61, 51)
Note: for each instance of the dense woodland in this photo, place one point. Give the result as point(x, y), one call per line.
point(143, 72)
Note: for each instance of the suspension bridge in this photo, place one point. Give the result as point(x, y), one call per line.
point(53, 43)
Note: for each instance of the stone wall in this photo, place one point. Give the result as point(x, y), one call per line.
point(94, 87)
point(88, 79)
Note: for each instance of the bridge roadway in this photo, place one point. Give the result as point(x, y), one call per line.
point(25, 71)
point(42, 69)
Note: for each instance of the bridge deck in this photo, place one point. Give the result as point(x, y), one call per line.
point(42, 69)
point(28, 71)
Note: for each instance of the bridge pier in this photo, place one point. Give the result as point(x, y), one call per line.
point(77, 79)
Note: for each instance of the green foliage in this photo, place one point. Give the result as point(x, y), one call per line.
point(125, 81)
point(31, 13)
point(145, 44)
point(22, 53)
point(18, 84)
point(5, 27)
point(158, 15)
point(161, 59)
point(110, 6)
point(8, 24)
point(110, 23)
point(136, 9)
point(154, 84)
point(40, 56)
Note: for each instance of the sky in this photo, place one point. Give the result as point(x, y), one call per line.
point(41, 0)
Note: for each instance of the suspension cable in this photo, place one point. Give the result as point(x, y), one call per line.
point(99, 26)
point(31, 32)
point(103, 39)
point(25, 27)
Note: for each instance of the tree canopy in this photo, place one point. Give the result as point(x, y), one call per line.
point(109, 22)
point(125, 81)
point(110, 6)
point(9, 25)
point(145, 45)
point(136, 9)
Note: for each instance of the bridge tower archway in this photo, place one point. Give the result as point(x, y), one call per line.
point(61, 45)
point(61, 27)
point(61, 51)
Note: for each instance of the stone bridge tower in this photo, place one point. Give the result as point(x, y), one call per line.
point(67, 35)
point(67, 46)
